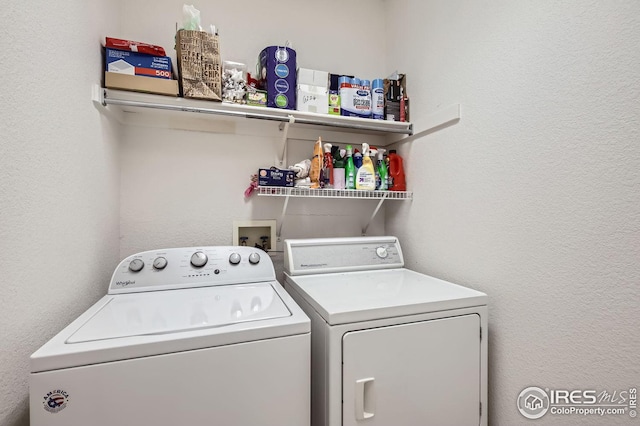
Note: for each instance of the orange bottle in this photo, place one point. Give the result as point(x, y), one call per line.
point(397, 180)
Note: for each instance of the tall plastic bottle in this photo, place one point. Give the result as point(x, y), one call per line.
point(397, 180)
point(383, 173)
point(377, 99)
point(338, 168)
point(350, 170)
point(327, 167)
point(366, 177)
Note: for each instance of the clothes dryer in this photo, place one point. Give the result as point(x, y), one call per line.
point(389, 346)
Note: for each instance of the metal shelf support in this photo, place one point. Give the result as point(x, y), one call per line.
point(284, 128)
point(375, 212)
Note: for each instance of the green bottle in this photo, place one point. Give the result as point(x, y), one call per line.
point(350, 170)
point(382, 171)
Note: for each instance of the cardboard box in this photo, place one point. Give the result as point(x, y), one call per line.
point(257, 98)
point(313, 91)
point(138, 83)
point(275, 177)
point(199, 64)
point(131, 63)
point(277, 70)
point(313, 78)
point(312, 99)
point(396, 105)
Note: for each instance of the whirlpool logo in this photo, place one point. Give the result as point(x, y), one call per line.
point(125, 283)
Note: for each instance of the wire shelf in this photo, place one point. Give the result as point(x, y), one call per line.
point(277, 191)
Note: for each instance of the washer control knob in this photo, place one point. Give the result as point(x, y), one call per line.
point(234, 258)
point(199, 259)
point(159, 263)
point(136, 265)
point(382, 252)
point(254, 258)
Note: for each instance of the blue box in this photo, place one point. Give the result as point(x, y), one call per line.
point(275, 177)
point(278, 76)
point(126, 62)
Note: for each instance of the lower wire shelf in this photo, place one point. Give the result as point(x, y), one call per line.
point(288, 192)
point(279, 191)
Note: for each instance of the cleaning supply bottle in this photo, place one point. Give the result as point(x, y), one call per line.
point(338, 168)
point(383, 173)
point(357, 159)
point(373, 154)
point(327, 167)
point(377, 99)
point(366, 176)
point(350, 170)
point(397, 180)
point(316, 165)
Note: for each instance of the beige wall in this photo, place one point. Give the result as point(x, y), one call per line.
point(59, 181)
point(533, 197)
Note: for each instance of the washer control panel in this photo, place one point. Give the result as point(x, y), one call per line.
point(186, 267)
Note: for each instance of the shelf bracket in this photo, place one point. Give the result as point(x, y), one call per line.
point(282, 153)
point(284, 212)
point(375, 212)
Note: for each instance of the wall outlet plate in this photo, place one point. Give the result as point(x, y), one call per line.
point(252, 232)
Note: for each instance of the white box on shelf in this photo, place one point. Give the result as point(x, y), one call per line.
point(313, 91)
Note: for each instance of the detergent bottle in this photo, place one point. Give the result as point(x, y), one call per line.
point(397, 180)
point(316, 165)
point(327, 167)
point(366, 176)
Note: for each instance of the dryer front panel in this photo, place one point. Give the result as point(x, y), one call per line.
point(425, 372)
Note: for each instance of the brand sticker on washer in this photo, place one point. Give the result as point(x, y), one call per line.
point(55, 401)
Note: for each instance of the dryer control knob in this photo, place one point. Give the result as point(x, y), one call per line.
point(159, 263)
point(136, 265)
point(254, 258)
point(382, 252)
point(234, 258)
point(199, 259)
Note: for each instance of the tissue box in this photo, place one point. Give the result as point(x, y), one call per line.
point(313, 91)
point(275, 177)
point(131, 63)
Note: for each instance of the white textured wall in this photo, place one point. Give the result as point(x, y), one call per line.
point(182, 188)
point(58, 181)
point(534, 196)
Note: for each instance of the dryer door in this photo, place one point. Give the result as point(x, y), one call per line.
point(411, 374)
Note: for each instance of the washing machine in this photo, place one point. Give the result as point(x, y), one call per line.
point(389, 346)
point(184, 336)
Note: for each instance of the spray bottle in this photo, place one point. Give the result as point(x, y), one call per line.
point(350, 170)
point(383, 173)
point(366, 177)
point(338, 167)
point(327, 167)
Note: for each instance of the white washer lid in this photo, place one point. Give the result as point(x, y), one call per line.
point(127, 326)
point(171, 311)
point(348, 297)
